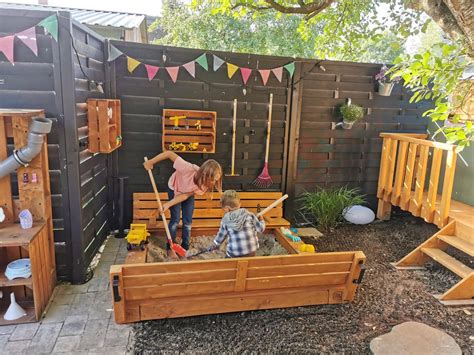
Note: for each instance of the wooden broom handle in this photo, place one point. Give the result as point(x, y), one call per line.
point(273, 205)
point(234, 126)
point(160, 206)
point(267, 149)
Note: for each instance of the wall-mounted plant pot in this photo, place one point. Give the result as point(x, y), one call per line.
point(347, 125)
point(385, 89)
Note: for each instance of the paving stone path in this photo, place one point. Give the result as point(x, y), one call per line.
point(79, 319)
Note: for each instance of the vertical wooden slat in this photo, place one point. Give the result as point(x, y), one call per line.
point(119, 305)
point(416, 202)
point(400, 173)
point(392, 156)
point(447, 188)
point(409, 172)
point(93, 126)
point(5, 184)
point(104, 145)
point(383, 172)
point(429, 209)
point(241, 278)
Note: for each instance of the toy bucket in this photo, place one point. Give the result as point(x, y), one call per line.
point(26, 219)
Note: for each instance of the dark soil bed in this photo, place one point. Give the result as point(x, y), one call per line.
point(386, 298)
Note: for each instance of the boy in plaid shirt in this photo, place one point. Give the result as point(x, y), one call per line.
point(240, 226)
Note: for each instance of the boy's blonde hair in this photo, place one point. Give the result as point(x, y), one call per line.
point(230, 198)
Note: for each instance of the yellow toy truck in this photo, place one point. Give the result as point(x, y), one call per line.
point(137, 236)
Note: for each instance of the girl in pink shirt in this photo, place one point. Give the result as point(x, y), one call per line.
point(187, 180)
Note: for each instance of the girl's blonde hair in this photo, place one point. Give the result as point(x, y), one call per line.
point(206, 176)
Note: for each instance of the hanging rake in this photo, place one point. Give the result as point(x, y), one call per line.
point(264, 180)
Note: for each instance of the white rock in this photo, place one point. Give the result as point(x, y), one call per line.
point(359, 215)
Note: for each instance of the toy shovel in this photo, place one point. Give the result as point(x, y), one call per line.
point(176, 247)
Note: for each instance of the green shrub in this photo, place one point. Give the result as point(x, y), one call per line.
point(326, 206)
point(351, 113)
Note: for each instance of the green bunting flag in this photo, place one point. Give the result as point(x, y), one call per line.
point(202, 61)
point(50, 24)
point(290, 67)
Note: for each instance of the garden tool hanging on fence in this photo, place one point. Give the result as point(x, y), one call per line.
point(234, 128)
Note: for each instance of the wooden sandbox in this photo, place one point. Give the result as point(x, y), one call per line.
point(146, 291)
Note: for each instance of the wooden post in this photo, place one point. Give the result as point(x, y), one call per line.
point(428, 210)
point(118, 296)
point(407, 184)
point(416, 202)
point(5, 184)
point(400, 174)
point(447, 188)
point(383, 172)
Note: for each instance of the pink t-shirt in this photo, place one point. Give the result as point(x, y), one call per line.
point(182, 180)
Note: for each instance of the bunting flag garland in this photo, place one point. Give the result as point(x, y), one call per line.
point(114, 53)
point(151, 70)
point(264, 73)
point(278, 72)
point(173, 72)
point(202, 61)
point(6, 46)
point(28, 37)
point(132, 64)
point(217, 62)
point(245, 72)
point(191, 68)
point(290, 67)
point(231, 69)
point(51, 25)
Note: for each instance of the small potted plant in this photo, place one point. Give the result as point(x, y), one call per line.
point(350, 114)
point(386, 83)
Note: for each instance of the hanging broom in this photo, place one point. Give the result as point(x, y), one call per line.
point(264, 180)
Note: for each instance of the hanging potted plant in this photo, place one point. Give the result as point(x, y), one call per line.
point(350, 114)
point(386, 83)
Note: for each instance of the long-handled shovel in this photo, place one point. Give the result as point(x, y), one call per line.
point(176, 247)
point(234, 127)
point(264, 180)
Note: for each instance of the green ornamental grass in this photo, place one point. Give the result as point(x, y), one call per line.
point(326, 206)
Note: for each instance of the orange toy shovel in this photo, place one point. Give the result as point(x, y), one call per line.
point(176, 247)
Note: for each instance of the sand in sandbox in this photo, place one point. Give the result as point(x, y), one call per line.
point(157, 248)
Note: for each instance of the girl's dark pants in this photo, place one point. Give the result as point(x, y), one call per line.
point(187, 209)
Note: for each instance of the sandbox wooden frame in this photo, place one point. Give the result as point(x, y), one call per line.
point(145, 291)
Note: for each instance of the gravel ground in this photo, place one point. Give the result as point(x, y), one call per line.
point(385, 298)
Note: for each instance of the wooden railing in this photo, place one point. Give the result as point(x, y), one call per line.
point(403, 172)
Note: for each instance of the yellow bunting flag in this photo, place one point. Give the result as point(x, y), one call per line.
point(231, 69)
point(132, 64)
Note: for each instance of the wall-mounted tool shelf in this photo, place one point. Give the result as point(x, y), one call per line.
point(188, 131)
point(105, 129)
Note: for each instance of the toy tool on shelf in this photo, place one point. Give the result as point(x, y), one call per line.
point(175, 247)
point(264, 180)
point(176, 119)
point(234, 126)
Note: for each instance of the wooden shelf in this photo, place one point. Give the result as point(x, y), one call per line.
point(27, 306)
point(13, 235)
point(105, 133)
point(5, 282)
point(174, 131)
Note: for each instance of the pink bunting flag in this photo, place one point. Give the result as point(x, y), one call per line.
point(278, 72)
point(191, 68)
point(245, 72)
point(28, 37)
point(151, 70)
point(264, 73)
point(173, 72)
point(6, 46)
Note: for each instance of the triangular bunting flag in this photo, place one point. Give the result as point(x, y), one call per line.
point(151, 70)
point(264, 73)
point(173, 72)
point(231, 69)
point(6, 46)
point(191, 68)
point(202, 61)
point(217, 62)
point(114, 53)
point(278, 72)
point(132, 64)
point(50, 24)
point(291, 68)
point(28, 37)
point(245, 72)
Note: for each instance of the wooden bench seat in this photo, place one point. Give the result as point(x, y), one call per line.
point(207, 212)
